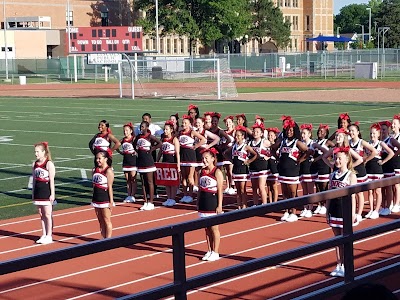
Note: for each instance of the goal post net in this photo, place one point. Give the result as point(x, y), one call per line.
point(177, 77)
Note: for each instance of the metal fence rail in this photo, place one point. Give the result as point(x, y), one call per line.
point(332, 64)
point(181, 284)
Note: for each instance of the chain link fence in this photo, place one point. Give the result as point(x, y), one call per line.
point(328, 65)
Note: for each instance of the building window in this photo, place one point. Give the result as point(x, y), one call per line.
point(295, 44)
point(161, 50)
point(9, 49)
point(287, 3)
point(295, 3)
point(287, 20)
point(175, 45)
point(147, 45)
point(69, 18)
point(182, 46)
point(280, 3)
point(307, 23)
point(295, 23)
point(169, 46)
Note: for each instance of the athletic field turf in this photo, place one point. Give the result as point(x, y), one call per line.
point(69, 124)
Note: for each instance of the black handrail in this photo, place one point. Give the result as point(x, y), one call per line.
point(181, 285)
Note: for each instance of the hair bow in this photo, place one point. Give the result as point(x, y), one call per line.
point(306, 126)
point(217, 115)
point(344, 116)
point(228, 117)
point(257, 117)
point(187, 117)
point(289, 123)
point(284, 118)
point(241, 128)
point(212, 150)
point(273, 129)
point(356, 123)
point(256, 125)
point(342, 130)
point(129, 125)
point(396, 117)
point(385, 123)
point(45, 144)
point(324, 126)
point(176, 116)
point(209, 113)
point(241, 116)
point(377, 126)
point(341, 149)
point(192, 106)
point(169, 122)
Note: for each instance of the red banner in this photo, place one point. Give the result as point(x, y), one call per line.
point(167, 174)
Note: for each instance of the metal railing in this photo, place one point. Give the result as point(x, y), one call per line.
point(181, 284)
point(332, 64)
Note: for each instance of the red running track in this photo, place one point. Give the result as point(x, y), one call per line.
point(128, 270)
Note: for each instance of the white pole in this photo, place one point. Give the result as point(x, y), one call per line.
point(157, 35)
point(218, 80)
point(369, 29)
point(69, 34)
point(136, 67)
point(105, 73)
point(120, 78)
point(75, 69)
point(5, 39)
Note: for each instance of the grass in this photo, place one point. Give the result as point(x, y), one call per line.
point(69, 124)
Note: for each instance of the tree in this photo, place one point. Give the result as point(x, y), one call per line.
point(206, 20)
point(351, 15)
point(268, 21)
point(389, 15)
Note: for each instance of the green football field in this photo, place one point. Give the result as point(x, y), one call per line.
point(69, 124)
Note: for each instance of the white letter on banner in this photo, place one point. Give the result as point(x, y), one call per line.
point(159, 174)
point(174, 174)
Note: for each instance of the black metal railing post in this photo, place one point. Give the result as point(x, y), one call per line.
point(348, 249)
point(178, 249)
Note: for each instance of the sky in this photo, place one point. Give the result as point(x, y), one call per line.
point(338, 4)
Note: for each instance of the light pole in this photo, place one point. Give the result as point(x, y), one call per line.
point(157, 35)
point(245, 55)
point(5, 39)
point(369, 24)
point(337, 31)
point(362, 34)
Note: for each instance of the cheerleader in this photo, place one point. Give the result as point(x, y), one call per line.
point(388, 168)
point(260, 121)
point(396, 165)
point(208, 119)
point(103, 199)
point(129, 162)
point(259, 167)
point(43, 195)
point(344, 122)
point(175, 120)
point(145, 143)
point(240, 154)
point(241, 120)
point(342, 140)
point(342, 177)
point(224, 138)
point(306, 177)
point(209, 200)
point(102, 140)
point(272, 179)
point(374, 169)
point(187, 137)
point(289, 167)
point(319, 170)
point(361, 147)
point(193, 112)
point(228, 166)
point(170, 152)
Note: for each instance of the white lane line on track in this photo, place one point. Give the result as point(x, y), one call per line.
point(281, 265)
point(97, 232)
point(54, 215)
point(193, 265)
point(163, 252)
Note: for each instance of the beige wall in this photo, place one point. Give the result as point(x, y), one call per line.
point(30, 44)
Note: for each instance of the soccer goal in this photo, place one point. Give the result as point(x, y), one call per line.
point(177, 77)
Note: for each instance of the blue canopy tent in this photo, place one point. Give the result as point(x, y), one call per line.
point(330, 38)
